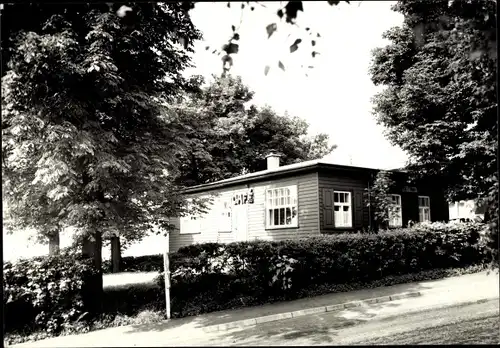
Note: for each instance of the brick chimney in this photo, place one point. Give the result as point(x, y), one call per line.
point(273, 160)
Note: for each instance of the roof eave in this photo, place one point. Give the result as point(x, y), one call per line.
point(273, 175)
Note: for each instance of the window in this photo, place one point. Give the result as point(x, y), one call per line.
point(281, 207)
point(395, 216)
point(225, 213)
point(191, 223)
point(342, 209)
point(424, 208)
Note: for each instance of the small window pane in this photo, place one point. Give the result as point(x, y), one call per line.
point(336, 197)
point(346, 208)
point(276, 217)
point(282, 217)
point(288, 216)
point(336, 208)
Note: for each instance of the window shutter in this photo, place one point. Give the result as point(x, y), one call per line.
point(328, 208)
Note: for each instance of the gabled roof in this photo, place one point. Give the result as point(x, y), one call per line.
point(268, 174)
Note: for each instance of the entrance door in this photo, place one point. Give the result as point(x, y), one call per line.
point(240, 222)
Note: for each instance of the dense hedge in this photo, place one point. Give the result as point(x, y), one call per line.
point(47, 292)
point(147, 263)
point(214, 276)
point(50, 292)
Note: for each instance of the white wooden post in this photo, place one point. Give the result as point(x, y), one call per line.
point(166, 267)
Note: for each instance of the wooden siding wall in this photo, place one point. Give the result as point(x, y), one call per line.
point(307, 192)
point(209, 227)
point(357, 182)
point(308, 214)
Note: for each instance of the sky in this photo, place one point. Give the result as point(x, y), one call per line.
point(336, 96)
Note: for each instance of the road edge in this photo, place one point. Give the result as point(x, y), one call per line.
point(315, 310)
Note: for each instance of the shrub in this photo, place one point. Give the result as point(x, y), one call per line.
point(133, 298)
point(147, 263)
point(211, 276)
point(46, 293)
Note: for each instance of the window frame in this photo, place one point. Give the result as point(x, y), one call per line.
point(221, 214)
point(421, 207)
point(343, 204)
point(294, 199)
point(190, 220)
point(400, 205)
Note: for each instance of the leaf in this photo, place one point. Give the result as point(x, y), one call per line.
point(313, 42)
point(271, 28)
point(231, 48)
point(291, 8)
point(317, 34)
point(227, 60)
point(242, 6)
point(333, 2)
point(266, 69)
point(228, 5)
point(123, 10)
point(295, 45)
point(314, 54)
point(307, 28)
point(281, 66)
point(207, 48)
point(280, 13)
point(233, 27)
point(236, 36)
point(252, 8)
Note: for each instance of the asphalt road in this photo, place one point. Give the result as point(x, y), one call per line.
point(465, 324)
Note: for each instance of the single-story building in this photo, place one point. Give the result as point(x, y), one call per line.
point(299, 200)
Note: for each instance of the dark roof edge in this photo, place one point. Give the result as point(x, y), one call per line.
point(273, 175)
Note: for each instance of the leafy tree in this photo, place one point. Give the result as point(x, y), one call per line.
point(228, 136)
point(378, 200)
point(440, 103)
point(440, 100)
point(86, 141)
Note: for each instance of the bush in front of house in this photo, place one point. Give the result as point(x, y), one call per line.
point(212, 276)
point(46, 293)
point(146, 263)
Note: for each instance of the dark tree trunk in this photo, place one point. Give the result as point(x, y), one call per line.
point(54, 244)
point(93, 249)
point(94, 288)
point(116, 257)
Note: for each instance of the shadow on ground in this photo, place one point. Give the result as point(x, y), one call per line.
point(285, 328)
point(314, 329)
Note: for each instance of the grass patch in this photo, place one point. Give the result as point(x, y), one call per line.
point(144, 303)
point(476, 331)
